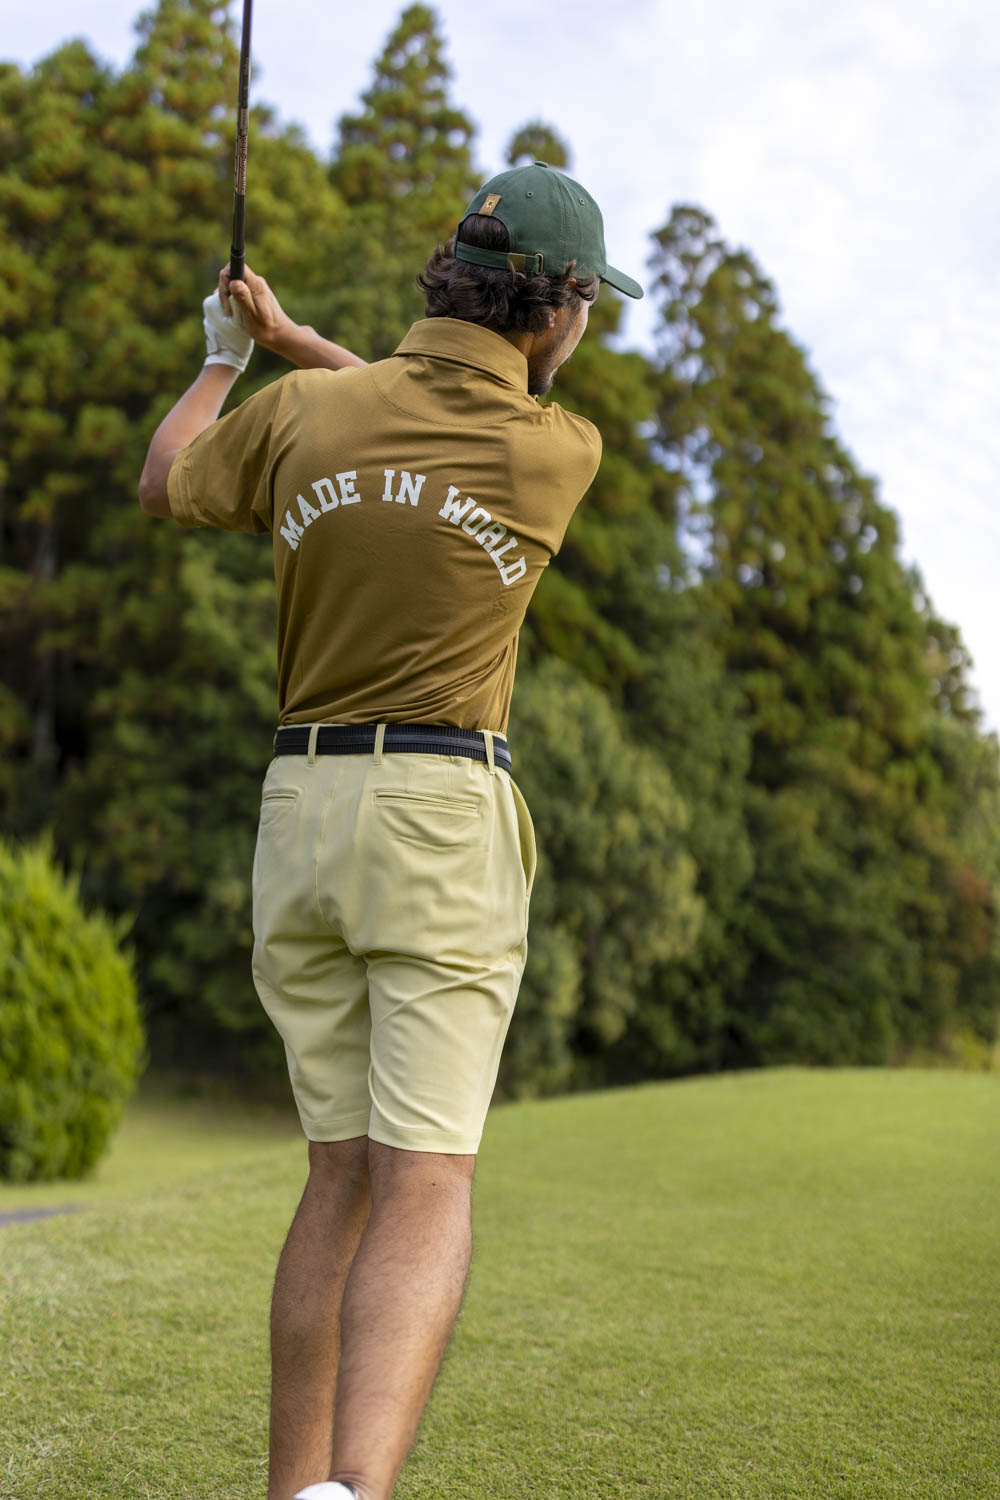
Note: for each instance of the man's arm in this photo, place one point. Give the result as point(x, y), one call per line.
point(262, 319)
point(197, 409)
point(266, 321)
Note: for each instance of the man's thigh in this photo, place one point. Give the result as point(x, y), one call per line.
point(313, 988)
point(438, 1031)
point(446, 852)
point(390, 903)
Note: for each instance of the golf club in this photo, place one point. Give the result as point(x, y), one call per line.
point(237, 259)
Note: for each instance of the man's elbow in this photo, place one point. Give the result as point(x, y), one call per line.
point(153, 496)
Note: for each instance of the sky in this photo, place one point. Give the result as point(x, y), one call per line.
point(853, 150)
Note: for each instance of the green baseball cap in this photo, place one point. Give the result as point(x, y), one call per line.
point(551, 221)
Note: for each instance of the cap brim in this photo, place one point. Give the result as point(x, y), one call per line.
point(621, 282)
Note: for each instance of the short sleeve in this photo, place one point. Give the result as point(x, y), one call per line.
point(223, 478)
point(560, 463)
point(590, 450)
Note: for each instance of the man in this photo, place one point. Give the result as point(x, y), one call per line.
point(412, 505)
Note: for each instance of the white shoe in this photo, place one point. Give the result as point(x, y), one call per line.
point(330, 1489)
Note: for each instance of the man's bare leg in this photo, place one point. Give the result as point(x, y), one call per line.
point(305, 1313)
point(401, 1300)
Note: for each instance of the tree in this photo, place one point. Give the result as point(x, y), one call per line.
point(537, 141)
point(615, 604)
point(403, 165)
point(615, 889)
point(728, 627)
point(138, 678)
point(853, 939)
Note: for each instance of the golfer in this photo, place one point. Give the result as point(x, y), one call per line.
point(412, 505)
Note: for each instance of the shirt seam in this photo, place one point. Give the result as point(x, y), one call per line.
point(468, 363)
point(182, 506)
point(434, 341)
point(437, 422)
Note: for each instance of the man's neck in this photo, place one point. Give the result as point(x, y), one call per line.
point(522, 341)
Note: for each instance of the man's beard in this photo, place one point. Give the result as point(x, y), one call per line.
point(540, 380)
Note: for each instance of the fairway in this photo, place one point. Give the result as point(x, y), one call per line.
point(749, 1287)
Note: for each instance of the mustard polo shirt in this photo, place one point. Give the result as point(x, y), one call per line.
point(413, 504)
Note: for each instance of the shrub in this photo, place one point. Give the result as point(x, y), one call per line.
point(615, 893)
point(71, 1040)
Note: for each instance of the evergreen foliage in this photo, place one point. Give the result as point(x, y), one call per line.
point(614, 604)
point(537, 141)
point(776, 836)
point(862, 917)
point(615, 889)
point(71, 1042)
point(138, 662)
point(403, 166)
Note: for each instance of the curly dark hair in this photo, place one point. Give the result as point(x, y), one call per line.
point(502, 300)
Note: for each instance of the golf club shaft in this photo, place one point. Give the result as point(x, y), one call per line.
point(237, 260)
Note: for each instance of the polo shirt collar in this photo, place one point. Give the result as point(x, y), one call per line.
point(468, 344)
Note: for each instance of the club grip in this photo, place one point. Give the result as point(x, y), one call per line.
point(237, 264)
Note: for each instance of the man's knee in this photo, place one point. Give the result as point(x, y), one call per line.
point(397, 1173)
point(340, 1162)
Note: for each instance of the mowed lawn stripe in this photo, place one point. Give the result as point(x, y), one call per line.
point(758, 1285)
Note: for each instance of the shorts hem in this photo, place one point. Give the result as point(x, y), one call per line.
point(443, 1142)
point(336, 1130)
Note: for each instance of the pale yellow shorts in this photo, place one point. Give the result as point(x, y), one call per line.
point(390, 902)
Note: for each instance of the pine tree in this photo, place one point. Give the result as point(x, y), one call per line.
point(409, 147)
point(403, 165)
point(87, 159)
point(537, 141)
point(853, 939)
point(138, 678)
point(613, 605)
point(615, 890)
point(728, 634)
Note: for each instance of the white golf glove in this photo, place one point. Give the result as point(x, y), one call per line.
point(226, 340)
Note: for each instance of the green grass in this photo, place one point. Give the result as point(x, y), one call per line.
point(164, 1140)
point(767, 1285)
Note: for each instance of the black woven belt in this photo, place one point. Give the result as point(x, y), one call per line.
point(400, 739)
